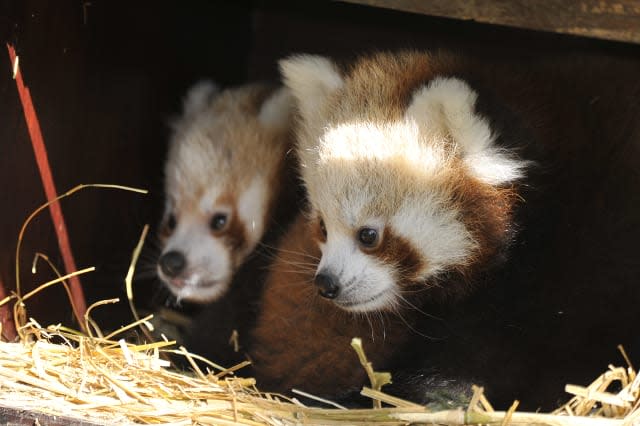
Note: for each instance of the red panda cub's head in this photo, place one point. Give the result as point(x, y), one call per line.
point(404, 178)
point(222, 175)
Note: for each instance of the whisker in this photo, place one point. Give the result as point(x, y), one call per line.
point(373, 333)
point(415, 308)
point(383, 326)
point(398, 313)
point(298, 253)
point(293, 271)
point(290, 262)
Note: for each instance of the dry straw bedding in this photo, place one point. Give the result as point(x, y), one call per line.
point(62, 372)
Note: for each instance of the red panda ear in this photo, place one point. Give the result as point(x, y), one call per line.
point(311, 79)
point(445, 109)
point(276, 111)
point(199, 96)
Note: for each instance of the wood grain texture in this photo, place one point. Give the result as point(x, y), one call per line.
point(606, 19)
point(11, 416)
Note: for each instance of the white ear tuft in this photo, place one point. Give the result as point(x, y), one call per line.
point(311, 79)
point(446, 108)
point(276, 111)
point(199, 96)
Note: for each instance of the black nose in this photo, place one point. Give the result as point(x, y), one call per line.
point(327, 285)
point(172, 263)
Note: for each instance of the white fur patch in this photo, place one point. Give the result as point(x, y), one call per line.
point(446, 107)
point(208, 200)
point(193, 157)
point(366, 284)
point(382, 141)
point(208, 269)
point(200, 294)
point(209, 261)
point(252, 205)
point(311, 79)
point(276, 110)
point(433, 228)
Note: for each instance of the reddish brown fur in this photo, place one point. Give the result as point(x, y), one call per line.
point(281, 204)
point(234, 233)
point(396, 250)
point(487, 212)
point(385, 86)
point(303, 340)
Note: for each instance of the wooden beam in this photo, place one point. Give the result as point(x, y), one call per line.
point(11, 416)
point(606, 19)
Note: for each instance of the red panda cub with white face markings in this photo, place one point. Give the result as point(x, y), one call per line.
point(453, 227)
point(405, 183)
point(402, 192)
point(225, 184)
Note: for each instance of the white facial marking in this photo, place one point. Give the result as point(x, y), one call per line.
point(208, 263)
point(207, 203)
point(366, 284)
point(252, 204)
point(199, 294)
point(435, 230)
point(371, 142)
point(191, 152)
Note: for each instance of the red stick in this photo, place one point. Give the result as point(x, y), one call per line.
point(49, 188)
point(6, 318)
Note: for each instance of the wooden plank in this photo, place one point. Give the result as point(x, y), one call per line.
point(17, 417)
point(606, 19)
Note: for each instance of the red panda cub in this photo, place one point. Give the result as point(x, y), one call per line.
point(393, 207)
point(225, 183)
point(231, 189)
point(450, 227)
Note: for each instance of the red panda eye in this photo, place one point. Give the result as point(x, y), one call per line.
point(218, 222)
point(323, 228)
point(368, 237)
point(171, 222)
